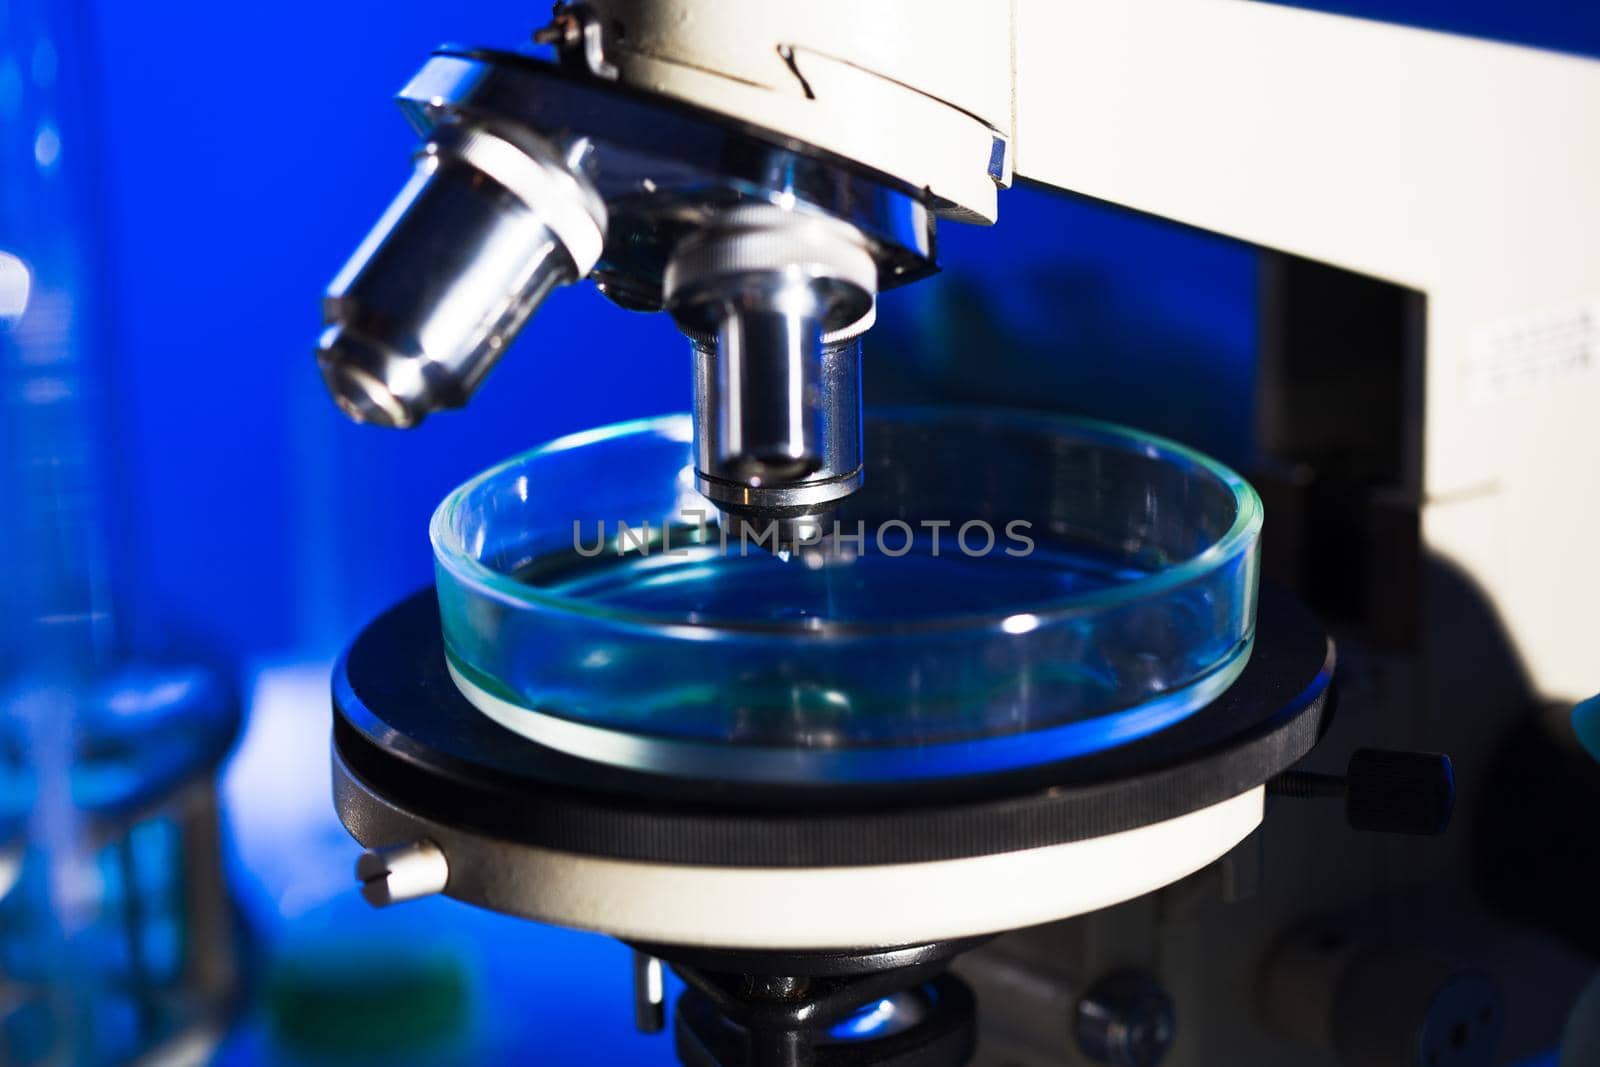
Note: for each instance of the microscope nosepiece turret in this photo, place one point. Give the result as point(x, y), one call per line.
point(768, 253)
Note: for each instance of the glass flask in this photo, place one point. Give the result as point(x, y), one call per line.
point(117, 938)
point(1007, 589)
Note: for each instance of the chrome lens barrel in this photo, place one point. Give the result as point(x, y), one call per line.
point(489, 224)
point(775, 302)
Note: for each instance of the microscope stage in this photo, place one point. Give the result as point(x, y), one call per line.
point(534, 832)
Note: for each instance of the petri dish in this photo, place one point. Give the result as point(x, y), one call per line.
point(1007, 589)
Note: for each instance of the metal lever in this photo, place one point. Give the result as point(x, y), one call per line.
point(649, 994)
point(1384, 791)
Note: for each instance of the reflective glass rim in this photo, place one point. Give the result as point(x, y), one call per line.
point(450, 552)
point(884, 762)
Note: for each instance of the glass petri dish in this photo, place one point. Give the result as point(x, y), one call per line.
point(1007, 589)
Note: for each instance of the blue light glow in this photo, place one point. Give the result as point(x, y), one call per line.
point(867, 1023)
point(1586, 725)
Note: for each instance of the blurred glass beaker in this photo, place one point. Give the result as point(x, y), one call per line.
point(117, 941)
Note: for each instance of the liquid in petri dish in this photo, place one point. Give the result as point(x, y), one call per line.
point(706, 583)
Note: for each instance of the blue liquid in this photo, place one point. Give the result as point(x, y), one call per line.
point(829, 582)
point(984, 679)
point(787, 698)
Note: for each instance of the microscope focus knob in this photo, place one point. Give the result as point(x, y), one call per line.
point(1384, 791)
point(1125, 1020)
point(1399, 792)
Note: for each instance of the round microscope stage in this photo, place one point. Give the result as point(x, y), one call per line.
point(528, 830)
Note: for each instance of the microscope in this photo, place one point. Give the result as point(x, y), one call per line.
point(1430, 364)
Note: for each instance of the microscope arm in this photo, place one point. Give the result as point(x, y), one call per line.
point(1462, 169)
point(1466, 170)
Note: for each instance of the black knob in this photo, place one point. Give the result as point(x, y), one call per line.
point(1384, 791)
point(1399, 792)
point(1125, 1019)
